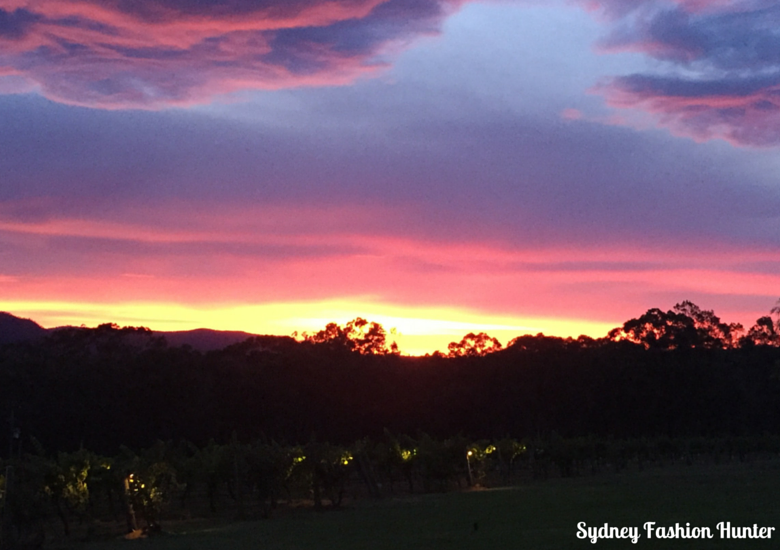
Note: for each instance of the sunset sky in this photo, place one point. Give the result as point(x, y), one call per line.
point(439, 166)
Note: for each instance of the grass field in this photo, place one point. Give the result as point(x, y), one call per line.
point(539, 515)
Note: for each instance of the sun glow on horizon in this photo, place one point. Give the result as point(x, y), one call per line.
point(416, 330)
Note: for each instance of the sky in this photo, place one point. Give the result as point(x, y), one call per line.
point(438, 166)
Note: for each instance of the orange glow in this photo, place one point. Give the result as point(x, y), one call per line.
point(284, 269)
point(416, 330)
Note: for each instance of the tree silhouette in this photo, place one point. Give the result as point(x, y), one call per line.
point(766, 331)
point(763, 333)
point(711, 331)
point(364, 337)
point(473, 345)
point(656, 329)
point(776, 312)
point(684, 326)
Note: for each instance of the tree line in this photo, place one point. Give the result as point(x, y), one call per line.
point(677, 373)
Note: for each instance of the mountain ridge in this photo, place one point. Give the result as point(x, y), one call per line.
point(14, 329)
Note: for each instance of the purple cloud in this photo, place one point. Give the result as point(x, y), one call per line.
point(132, 54)
point(14, 25)
point(721, 76)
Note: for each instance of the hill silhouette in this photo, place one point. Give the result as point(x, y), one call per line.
point(204, 339)
point(15, 329)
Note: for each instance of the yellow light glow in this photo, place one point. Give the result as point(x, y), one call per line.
point(417, 330)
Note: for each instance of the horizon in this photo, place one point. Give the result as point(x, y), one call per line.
point(419, 338)
point(437, 166)
point(410, 343)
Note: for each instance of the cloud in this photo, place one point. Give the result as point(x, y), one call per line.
point(719, 66)
point(210, 260)
point(743, 111)
point(154, 54)
point(14, 25)
point(485, 176)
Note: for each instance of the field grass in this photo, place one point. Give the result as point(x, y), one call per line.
point(539, 515)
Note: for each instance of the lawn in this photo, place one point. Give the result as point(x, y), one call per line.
point(538, 515)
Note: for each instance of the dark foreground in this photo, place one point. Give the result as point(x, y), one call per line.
point(538, 515)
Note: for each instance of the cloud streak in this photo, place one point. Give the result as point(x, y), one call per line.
point(239, 256)
point(719, 72)
point(128, 54)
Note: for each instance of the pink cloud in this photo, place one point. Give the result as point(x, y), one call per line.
point(718, 77)
point(751, 118)
point(615, 9)
point(158, 54)
point(241, 255)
